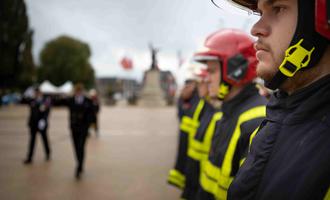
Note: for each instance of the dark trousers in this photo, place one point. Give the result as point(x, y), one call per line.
point(203, 195)
point(79, 136)
point(94, 124)
point(192, 179)
point(33, 134)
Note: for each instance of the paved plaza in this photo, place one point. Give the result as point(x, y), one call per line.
point(129, 161)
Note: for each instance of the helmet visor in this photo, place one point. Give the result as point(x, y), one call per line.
point(240, 7)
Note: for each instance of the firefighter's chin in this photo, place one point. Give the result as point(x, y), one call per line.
point(215, 102)
point(266, 70)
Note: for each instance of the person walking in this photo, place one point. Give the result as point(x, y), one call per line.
point(38, 123)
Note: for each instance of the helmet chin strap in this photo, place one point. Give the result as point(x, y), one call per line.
point(306, 48)
point(297, 57)
point(224, 89)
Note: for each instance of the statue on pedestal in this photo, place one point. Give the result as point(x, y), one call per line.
point(154, 62)
point(152, 93)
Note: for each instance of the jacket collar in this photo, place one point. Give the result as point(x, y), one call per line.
point(307, 103)
point(229, 106)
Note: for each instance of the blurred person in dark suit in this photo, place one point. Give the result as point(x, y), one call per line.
point(38, 122)
point(80, 108)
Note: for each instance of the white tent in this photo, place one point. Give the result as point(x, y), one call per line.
point(48, 88)
point(29, 92)
point(66, 88)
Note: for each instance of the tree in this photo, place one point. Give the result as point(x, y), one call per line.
point(66, 58)
point(17, 68)
point(28, 70)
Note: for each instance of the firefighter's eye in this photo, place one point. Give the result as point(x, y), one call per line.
point(278, 9)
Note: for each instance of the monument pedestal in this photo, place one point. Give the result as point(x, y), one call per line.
point(152, 94)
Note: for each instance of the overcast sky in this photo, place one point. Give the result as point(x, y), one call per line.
point(114, 28)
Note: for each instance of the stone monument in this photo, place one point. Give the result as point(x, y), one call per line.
point(152, 95)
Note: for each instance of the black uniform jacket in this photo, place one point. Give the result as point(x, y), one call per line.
point(241, 116)
point(290, 155)
point(206, 117)
point(80, 113)
point(39, 109)
point(193, 166)
point(187, 109)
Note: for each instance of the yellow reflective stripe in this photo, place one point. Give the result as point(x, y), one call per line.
point(198, 146)
point(208, 176)
point(255, 112)
point(210, 129)
point(241, 161)
point(198, 109)
point(186, 128)
point(197, 155)
point(204, 147)
point(187, 121)
point(253, 135)
point(224, 181)
point(176, 178)
point(221, 194)
point(213, 180)
point(327, 196)
point(176, 182)
point(190, 125)
point(195, 120)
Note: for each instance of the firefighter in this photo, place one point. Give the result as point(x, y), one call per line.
point(38, 122)
point(190, 106)
point(289, 157)
point(196, 152)
point(231, 61)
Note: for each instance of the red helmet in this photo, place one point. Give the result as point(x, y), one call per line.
point(234, 49)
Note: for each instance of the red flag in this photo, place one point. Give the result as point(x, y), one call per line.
point(126, 63)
